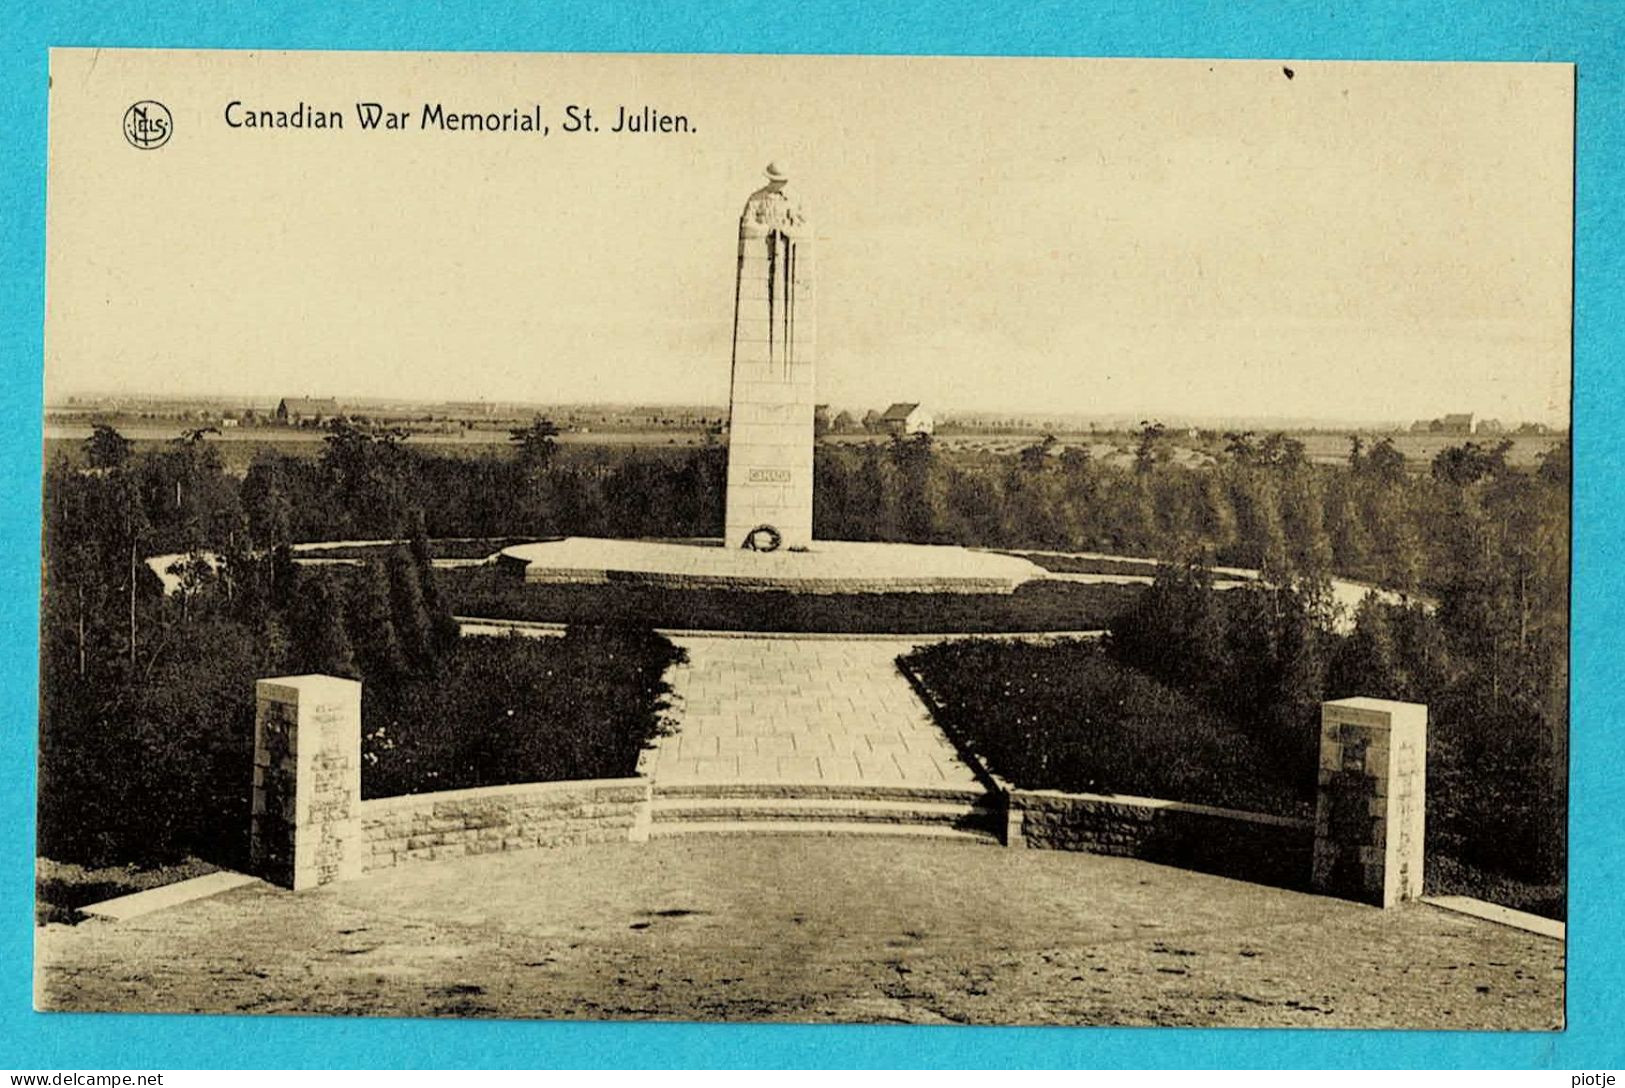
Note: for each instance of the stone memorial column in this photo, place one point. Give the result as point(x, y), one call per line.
point(770, 414)
point(307, 780)
point(1371, 809)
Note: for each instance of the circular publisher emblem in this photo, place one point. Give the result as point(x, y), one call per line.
point(147, 125)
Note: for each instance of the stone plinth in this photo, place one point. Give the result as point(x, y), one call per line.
point(1369, 817)
point(831, 566)
point(307, 780)
point(770, 429)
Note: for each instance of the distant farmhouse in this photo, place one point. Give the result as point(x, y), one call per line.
point(903, 418)
point(1455, 423)
point(296, 410)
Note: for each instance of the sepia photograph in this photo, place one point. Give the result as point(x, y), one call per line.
point(806, 539)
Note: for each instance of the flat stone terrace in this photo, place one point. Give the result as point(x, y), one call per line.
point(829, 567)
point(800, 711)
point(802, 928)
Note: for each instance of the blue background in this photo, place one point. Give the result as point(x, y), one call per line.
point(1590, 34)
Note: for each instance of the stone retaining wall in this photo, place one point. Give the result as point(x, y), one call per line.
point(456, 823)
point(1244, 845)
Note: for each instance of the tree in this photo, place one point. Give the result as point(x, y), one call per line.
point(1368, 661)
point(365, 467)
point(106, 448)
point(370, 617)
point(535, 443)
point(1350, 539)
point(1241, 446)
point(916, 504)
point(1175, 630)
point(443, 627)
point(266, 503)
point(1151, 448)
point(1279, 451)
point(1468, 463)
point(1555, 465)
point(318, 632)
point(1383, 463)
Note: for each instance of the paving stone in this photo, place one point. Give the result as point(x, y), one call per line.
point(801, 710)
point(798, 769)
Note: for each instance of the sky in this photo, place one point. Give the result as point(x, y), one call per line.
point(1102, 238)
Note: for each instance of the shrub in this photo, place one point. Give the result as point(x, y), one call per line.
point(515, 709)
point(1036, 606)
point(1067, 716)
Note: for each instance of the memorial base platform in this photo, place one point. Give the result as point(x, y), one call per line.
point(829, 566)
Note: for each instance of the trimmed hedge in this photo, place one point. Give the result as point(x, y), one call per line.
point(1066, 716)
point(514, 709)
point(1036, 606)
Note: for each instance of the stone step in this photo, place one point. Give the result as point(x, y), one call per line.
point(807, 791)
point(965, 836)
point(823, 810)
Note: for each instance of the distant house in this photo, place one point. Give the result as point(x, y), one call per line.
point(293, 410)
point(1456, 423)
point(903, 418)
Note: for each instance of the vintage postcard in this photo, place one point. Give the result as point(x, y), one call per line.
point(839, 539)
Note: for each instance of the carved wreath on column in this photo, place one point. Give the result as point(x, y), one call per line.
point(763, 538)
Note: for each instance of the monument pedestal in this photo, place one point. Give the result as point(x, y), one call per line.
point(770, 428)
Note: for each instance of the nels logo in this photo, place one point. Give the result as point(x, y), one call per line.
point(148, 125)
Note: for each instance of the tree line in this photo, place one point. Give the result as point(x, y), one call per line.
point(1485, 541)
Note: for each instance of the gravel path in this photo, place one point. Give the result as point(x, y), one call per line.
point(811, 929)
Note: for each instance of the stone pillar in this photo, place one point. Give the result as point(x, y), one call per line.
point(307, 780)
point(1371, 809)
point(770, 428)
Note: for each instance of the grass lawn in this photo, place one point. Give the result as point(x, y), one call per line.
point(1036, 606)
point(61, 888)
point(1066, 716)
point(1445, 875)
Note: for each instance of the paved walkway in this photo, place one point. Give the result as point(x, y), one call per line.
point(800, 711)
point(810, 929)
